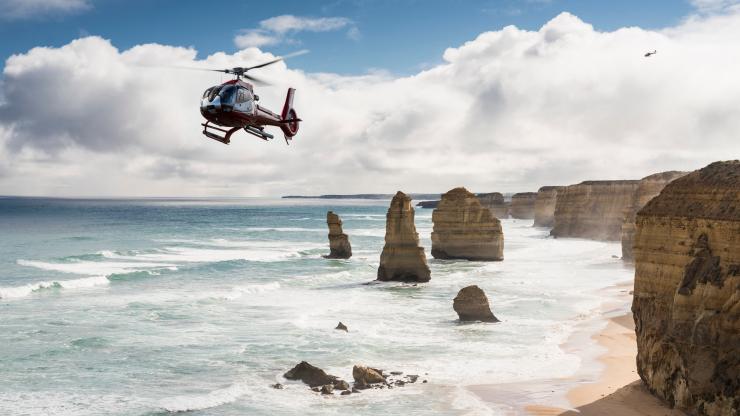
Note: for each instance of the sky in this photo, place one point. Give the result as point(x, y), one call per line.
point(420, 96)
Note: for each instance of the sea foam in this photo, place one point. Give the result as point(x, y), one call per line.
point(25, 290)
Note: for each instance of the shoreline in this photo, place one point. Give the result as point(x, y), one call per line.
point(605, 384)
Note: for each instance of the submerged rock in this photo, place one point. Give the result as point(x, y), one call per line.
point(341, 385)
point(686, 301)
point(342, 327)
point(593, 209)
point(648, 189)
point(365, 376)
point(402, 258)
point(464, 229)
point(471, 304)
point(339, 247)
point(544, 206)
point(522, 205)
point(313, 376)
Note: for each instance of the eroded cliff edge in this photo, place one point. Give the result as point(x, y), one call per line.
point(593, 209)
point(522, 205)
point(687, 291)
point(544, 206)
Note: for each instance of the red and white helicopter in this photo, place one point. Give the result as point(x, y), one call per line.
point(232, 106)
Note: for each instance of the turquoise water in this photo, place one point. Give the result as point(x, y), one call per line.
point(147, 307)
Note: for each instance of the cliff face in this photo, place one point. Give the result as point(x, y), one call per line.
point(544, 206)
point(339, 247)
point(649, 188)
point(496, 203)
point(464, 229)
point(402, 257)
point(593, 209)
point(687, 291)
point(522, 205)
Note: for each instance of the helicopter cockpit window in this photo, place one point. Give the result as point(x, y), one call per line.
point(243, 96)
point(227, 94)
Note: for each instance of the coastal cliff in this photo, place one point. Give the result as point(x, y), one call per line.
point(593, 209)
point(402, 257)
point(522, 205)
point(544, 206)
point(464, 229)
point(649, 188)
point(339, 247)
point(687, 291)
point(496, 203)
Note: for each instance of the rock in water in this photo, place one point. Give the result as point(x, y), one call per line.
point(339, 247)
point(496, 203)
point(522, 205)
point(402, 258)
point(365, 375)
point(687, 291)
point(471, 304)
point(463, 229)
point(593, 209)
point(342, 327)
point(544, 206)
point(313, 376)
point(648, 189)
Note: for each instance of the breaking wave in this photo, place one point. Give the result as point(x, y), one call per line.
point(25, 290)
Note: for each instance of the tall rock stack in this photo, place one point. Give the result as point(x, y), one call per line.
point(593, 209)
point(402, 257)
point(522, 205)
point(339, 247)
point(687, 291)
point(544, 206)
point(649, 188)
point(496, 203)
point(464, 229)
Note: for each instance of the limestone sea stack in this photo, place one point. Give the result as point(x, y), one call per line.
point(687, 291)
point(471, 304)
point(544, 206)
point(649, 187)
point(464, 229)
point(496, 203)
point(339, 247)
point(593, 209)
point(402, 258)
point(522, 205)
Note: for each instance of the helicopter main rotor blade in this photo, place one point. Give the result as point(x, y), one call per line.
point(256, 80)
point(278, 59)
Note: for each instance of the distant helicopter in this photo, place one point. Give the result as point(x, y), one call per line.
point(649, 54)
point(232, 106)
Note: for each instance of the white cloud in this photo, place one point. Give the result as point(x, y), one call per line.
point(277, 29)
point(509, 111)
point(23, 9)
point(714, 6)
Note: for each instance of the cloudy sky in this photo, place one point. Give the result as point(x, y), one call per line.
point(492, 95)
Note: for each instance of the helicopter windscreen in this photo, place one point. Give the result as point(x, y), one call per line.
point(227, 93)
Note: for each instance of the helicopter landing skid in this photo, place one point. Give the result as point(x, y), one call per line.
point(223, 139)
point(255, 131)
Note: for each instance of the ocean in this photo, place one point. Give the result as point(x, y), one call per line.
point(157, 306)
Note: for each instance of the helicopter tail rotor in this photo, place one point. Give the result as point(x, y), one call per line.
point(289, 118)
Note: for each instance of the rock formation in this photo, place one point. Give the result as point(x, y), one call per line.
point(649, 188)
point(471, 304)
point(496, 203)
point(402, 257)
point(687, 291)
point(593, 209)
point(313, 376)
point(342, 327)
point(339, 247)
point(522, 205)
point(544, 206)
point(463, 229)
point(365, 376)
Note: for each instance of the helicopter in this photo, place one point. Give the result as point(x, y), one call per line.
point(232, 106)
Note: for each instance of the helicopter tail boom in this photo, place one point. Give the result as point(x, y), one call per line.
point(289, 118)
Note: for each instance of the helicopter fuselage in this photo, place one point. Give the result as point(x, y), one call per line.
point(233, 105)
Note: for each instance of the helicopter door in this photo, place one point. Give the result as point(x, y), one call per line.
point(244, 101)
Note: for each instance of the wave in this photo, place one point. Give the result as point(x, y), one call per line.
point(25, 290)
point(95, 268)
point(203, 255)
point(239, 291)
point(204, 401)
